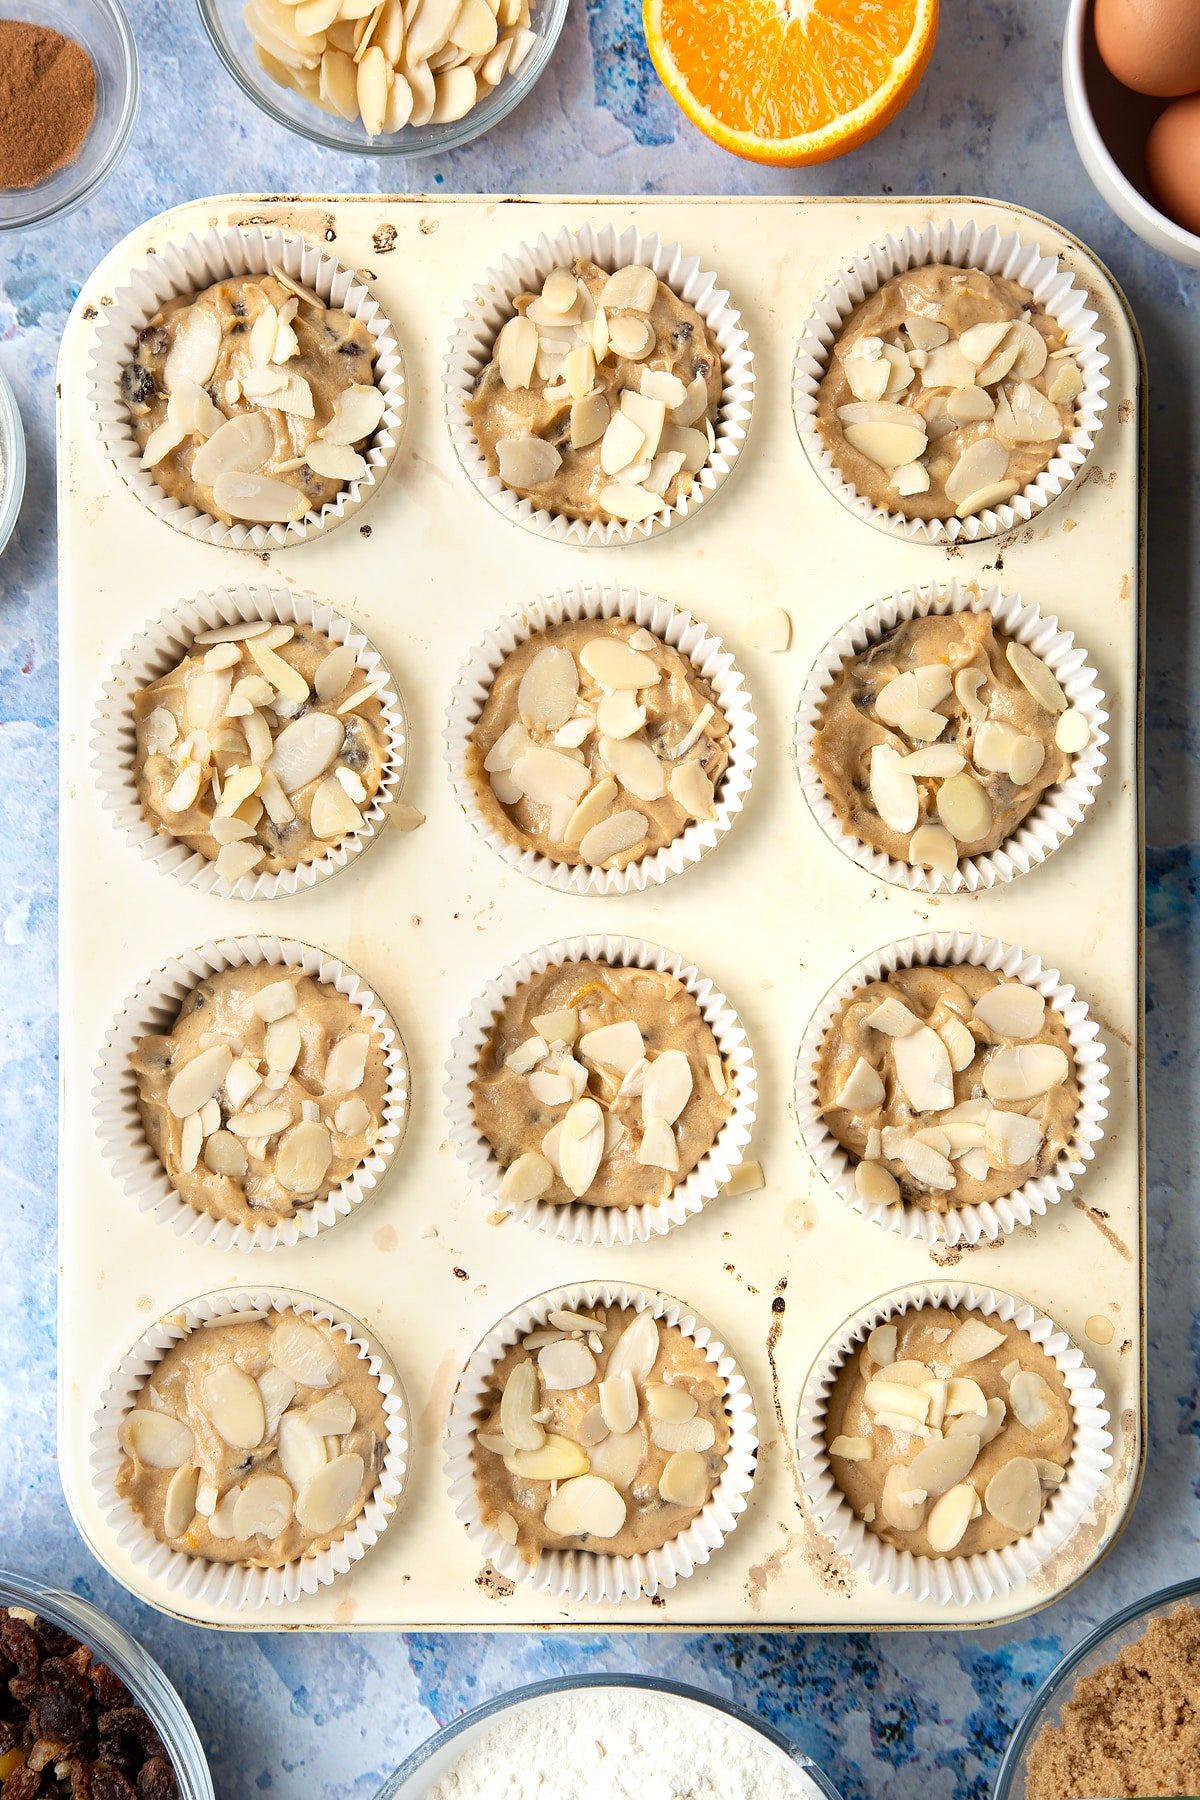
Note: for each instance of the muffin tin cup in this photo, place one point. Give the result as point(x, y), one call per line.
point(968, 246)
point(694, 643)
point(1057, 813)
point(993, 1219)
point(234, 1585)
point(592, 1576)
point(955, 1580)
point(159, 647)
point(152, 1008)
point(188, 268)
point(525, 271)
point(578, 1222)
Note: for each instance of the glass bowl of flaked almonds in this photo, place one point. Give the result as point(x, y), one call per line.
point(385, 77)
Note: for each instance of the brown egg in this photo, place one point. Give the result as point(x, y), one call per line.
point(1173, 161)
point(1151, 45)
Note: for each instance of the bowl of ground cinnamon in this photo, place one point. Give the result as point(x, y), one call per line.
point(68, 98)
point(1120, 1715)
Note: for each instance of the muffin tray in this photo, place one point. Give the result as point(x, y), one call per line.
point(774, 916)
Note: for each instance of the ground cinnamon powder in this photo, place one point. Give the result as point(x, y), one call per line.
point(1132, 1727)
point(47, 101)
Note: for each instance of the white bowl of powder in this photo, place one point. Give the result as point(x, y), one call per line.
point(609, 1737)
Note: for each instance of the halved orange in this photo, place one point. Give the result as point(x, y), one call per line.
point(790, 81)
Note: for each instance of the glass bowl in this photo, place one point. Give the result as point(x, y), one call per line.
point(226, 27)
point(434, 1758)
point(12, 459)
point(103, 30)
point(141, 1674)
point(1100, 1646)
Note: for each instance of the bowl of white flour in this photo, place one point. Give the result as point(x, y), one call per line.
point(607, 1737)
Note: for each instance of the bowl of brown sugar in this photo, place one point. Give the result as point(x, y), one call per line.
point(1120, 1715)
point(68, 98)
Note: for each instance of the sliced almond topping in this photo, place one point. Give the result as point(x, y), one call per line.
point(526, 461)
point(948, 366)
point(636, 1349)
point(263, 1508)
point(967, 684)
point(893, 792)
point(985, 1429)
point(556, 1459)
point(198, 1080)
point(617, 666)
point(619, 1402)
point(612, 836)
point(618, 1046)
point(305, 1153)
point(1014, 1495)
point(549, 689)
point(851, 1449)
point(667, 1400)
point(327, 1498)
point(1050, 1474)
point(923, 1070)
point(526, 1179)
point(586, 1506)
point(301, 1449)
point(633, 288)
point(965, 1396)
point(746, 1178)
point(899, 1399)
point(619, 715)
point(517, 1406)
point(925, 1164)
point(516, 352)
point(635, 766)
point(560, 291)
point(940, 1466)
point(933, 847)
point(769, 629)
point(668, 1086)
point(1030, 1397)
point(566, 1364)
point(157, 1440)
point(966, 405)
point(624, 442)
point(862, 1090)
point(302, 1352)
point(1012, 1009)
point(881, 1345)
point(902, 1503)
point(1072, 733)
point(683, 1434)
point(589, 420)
point(972, 1340)
point(888, 445)
point(234, 1405)
point(981, 465)
point(964, 809)
point(892, 1018)
point(581, 1145)
point(1025, 1071)
point(195, 347)
point(950, 1516)
point(684, 1480)
point(960, 1047)
point(1065, 384)
point(1036, 676)
point(658, 1149)
point(876, 1185)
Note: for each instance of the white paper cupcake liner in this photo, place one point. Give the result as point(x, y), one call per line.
point(695, 643)
point(967, 246)
point(578, 1222)
point(236, 1585)
point(955, 1580)
point(588, 1575)
point(994, 1218)
point(159, 647)
point(152, 1008)
point(525, 271)
point(188, 268)
point(1060, 809)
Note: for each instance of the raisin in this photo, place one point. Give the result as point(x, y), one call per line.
point(238, 308)
point(683, 332)
point(156, 1780)
point(20, 1645)
point(81, 1780)
point(24, 1688)
point(110, 1784)
point(349, 348)
point(154, 340)
point(52, 1641)
point(701, 366)
point(137, 385)
point(109, 1690)
point(11, 1733)
point(23, 1784)
point(63, 1712)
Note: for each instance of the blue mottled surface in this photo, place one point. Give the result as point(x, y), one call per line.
point(329, 1716)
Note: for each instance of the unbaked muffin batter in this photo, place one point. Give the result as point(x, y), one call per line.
point(630, 744)
point(600, 396)
point(600, 1083)
point(947, 1432)
point(937, 742)
point(265, 1094)
point(255, 1442)
point(564, 1462)
point(947, 391)
point(262, 749)
point(295, 374)
point(950, 1086)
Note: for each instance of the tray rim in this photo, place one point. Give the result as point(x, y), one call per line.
point(266, 218)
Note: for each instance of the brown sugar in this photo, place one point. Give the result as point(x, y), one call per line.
point(1131, 1727)
point(47, 102)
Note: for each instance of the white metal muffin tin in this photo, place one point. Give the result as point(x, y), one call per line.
point(773, 916)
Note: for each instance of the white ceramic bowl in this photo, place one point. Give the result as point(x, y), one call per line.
point(1110, 124)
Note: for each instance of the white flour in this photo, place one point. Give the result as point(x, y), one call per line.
point(619, 1744)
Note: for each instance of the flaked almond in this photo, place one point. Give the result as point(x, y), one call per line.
point(549, 689)
point(566, 1364)
point(636, 1350)
point(589, 420)
point(985, 1429)
point(684, 1480)
point(263, 1508)
point(526, 461)
point(555, 1459)
point(302, 1450)
point(234, 1405)
point(692, 790)
point(863, 1089)
point(1012, 1009)
point(964, 809)
point(942, 1465)
point(949, 1517)
point(198, 1080)
point(893, 792)
point(617, 1046)
point(888, 445)
point(676, 1435)
point(658, 1149)
point(547, 776)
point(632, 339)
point(892, 1018)
point(933, 847)
point(1030, 1397)
point(327, 1498)
point(526, 1179)
point(635, 766)
point(851, 1449)
point(981, 465)
point(876, 1185)
point(882, 1343)
point(901, 1502)
point(619, 715)
point(972, 1340)
point(630, 502)
point(304, 1155)
point(1035, 676)
point(518, 1403)
point(1014, 1495)
point(581, 1145)
point(923, 1070)
point(157, 1440)
point(960, 1048)
point(967, 683)
point(612, 836)
point(1072, 733)
point(1025, 1071)
point(586, 1506)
